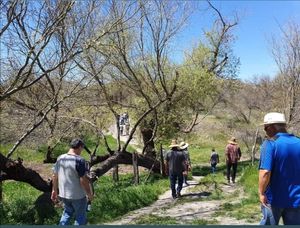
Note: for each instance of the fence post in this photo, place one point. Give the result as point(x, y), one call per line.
point(116, 173)
point(135, 168)
point(254, 147)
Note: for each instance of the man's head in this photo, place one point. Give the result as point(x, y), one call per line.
point(232, 141)
point(183, 145)
point(77, 145)
point(274, 122)
point(174, 145)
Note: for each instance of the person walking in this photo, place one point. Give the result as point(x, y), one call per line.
point(184, 148)
point(279, 173)
point(232, 156)
point(175, 168)
point(214, 160)
point(71, 184)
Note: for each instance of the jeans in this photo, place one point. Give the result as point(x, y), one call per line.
point(271, 215)
point(72, 206)
point(213, 168)
point(233, 174)
point(173, 180)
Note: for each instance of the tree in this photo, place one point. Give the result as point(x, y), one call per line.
point(286, 53)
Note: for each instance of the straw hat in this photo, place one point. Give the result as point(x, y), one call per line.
point(232, 140)
point(183, 145)
point(174, 144)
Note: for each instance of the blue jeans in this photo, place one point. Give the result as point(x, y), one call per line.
point(173, 180)
point(213, 168)
point(72, 206)
point(271, 215)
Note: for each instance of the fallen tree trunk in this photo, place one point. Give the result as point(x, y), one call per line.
point(14, 170)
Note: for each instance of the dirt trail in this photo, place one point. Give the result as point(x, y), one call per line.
point(134, 141)
point(192, 206)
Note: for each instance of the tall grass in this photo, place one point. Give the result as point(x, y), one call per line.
point(23, 204)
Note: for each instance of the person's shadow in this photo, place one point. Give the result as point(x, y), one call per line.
point(45, 209)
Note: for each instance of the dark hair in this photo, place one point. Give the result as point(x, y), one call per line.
point(76, 143)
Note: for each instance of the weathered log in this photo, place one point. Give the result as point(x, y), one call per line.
point(14, 170)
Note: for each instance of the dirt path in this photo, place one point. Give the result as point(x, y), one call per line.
point(134, 141)
point(191, 207)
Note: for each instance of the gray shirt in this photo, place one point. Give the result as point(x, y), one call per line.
point(69, 169)
point(176, 161)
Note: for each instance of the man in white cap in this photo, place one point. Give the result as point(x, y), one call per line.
point(175, 167)
point(279, 173)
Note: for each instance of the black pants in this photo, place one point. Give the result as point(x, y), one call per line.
point(233, 173)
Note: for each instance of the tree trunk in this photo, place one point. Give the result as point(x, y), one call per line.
point(14, 170)
point(149, 150)
point(254, 147)
point(135, 168)
point(116, 173)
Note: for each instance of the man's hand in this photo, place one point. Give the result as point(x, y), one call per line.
point(54, 196)
point(184, 172)
point(90, 197)
point(263, 199)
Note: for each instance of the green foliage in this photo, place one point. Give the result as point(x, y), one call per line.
point(203, 222)
point(23, 204)
point(115, 199)
point(20, 206)
point(155, 220)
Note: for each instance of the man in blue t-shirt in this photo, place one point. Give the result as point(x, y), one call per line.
point(279, 173)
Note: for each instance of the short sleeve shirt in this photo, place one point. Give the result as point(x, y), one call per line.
point(69, 169)
point(282, 157)
point(176, 161)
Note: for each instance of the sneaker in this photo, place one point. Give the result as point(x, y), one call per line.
point(184, 185)
point(174, 197)
point(178, 195)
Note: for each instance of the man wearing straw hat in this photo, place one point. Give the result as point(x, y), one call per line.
point(279, 173)
point(175, 167)
point(184, 148)
point(232, 156)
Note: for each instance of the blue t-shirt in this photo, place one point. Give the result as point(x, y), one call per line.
point(282, 157)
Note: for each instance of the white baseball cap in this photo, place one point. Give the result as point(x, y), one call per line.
point(274, 117)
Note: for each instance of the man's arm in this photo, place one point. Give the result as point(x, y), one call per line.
point(263, 182)
point(85, 183)
point(54, 193)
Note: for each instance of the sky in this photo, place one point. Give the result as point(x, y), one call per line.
point(258, 22)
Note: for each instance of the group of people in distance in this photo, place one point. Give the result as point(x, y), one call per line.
point(178, 163)
point(279, 174)
point(124, 124)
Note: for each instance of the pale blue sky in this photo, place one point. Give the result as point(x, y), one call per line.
point(259, 20)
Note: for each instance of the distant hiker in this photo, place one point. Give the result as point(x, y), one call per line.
point(183, 146)
point(126, 123)
point(175, 167)
point(279, 173)
point(232, 156)
point(122, 124)
point(214, 160)
point(71, 184)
